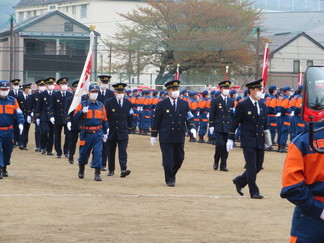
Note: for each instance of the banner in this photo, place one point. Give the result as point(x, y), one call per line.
point(300, 77)
point(226, 73)
point(265, 65)
point(85, 77)
point(177, 74)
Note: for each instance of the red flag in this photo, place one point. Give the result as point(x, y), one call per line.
point(85, 77)
point(300, 77)
point(177, 74)
point(226, 73)
point(265, 65)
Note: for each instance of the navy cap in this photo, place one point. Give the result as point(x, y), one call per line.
point(184, 91)
point(25, 86)
point(172, 84)
point(225, 84)
point(278, 92)
point(40, 82)
point(286, 88)
point(217, 93)
point(212, 92)
point(75, 84)
point(135, 90)
point(193, 93)
point(128, 91)
point(104, 78)
point(161, 92)
point(50, 80)
point(272, 88)
point(15, 81)
point(205, 92)
point(93, 87)
point(233, 91)
point(300, 88)
point(155, 92)
point(119, 86)
point(62, 80)
point(4, 84)
point(255, 84)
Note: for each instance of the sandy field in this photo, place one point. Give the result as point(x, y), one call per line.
point(43, 200)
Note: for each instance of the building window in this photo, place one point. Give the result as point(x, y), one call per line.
point(52, 7)
point(73, 10)
point(68, 27)
point(83, 11)
point(20, 16)
point(296, 66)
point(309, 63)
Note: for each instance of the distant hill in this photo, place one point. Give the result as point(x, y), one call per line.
point(5, 11)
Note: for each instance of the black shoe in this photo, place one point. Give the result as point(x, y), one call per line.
point(103, 168)
point(50, 153)
point(4, 171)
point(170, 184)
point(58, 156)
point(238, 188)
point(81, 171)
point(43, 151)
point(257, 196)
point(21, 147)
point(66, 155)
point(224, 169)
point(215, 166)
point(1, 173)
point(125, 173)
point(97, 175)
point(37, 150)
point(71, 161)
point(110, 173)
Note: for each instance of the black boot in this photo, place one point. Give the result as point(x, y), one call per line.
point(97, 175)
point(283, 149)
point(1, 175)
point(81, 171)
point(209, 140)
point(4, 171)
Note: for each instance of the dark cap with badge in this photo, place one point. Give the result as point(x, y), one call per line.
point(255, 84)
point(50, 80)
point(75, 84)
point(40, 82)
point(104, 78)
point(119, 86)
point(93, 87)
point(225, 84)
point(26, 86)
point(62, 80)
point(172, 84)
point(4, 84)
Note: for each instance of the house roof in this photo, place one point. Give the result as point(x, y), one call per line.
point(27, 3)
point(23, 25)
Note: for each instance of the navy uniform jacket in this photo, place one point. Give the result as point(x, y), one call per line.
point(119, 118)
point(12, 93)
point(24, 104)
point(108, 94)
point(221, 116)
point(34, 98)
point(57, 107)
point(172, 126)
point(75, 124)
point(252, 124)
point(42, 108)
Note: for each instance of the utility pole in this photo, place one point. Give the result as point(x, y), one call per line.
point(257, 63)
point(110, 60)
point(11, 61)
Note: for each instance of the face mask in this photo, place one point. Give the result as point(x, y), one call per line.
point(104, 86)
point(175, 94)
point(259, 95)
point(63, 87)
point(50, 87)
point(225, 92)
point(93, 96)
point(120, 96)
point(29, 92)
point(4, 93)
point(16, 87)
point(41, 88)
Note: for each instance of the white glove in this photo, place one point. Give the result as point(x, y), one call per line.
point(153, 140)
point(322, 215)
point(29, 119)
point(104, 139)
point(85, 109)
point(229, 145)
point(193, 132)
point(292, 113)
point(278, 114)
point(21, 128)
point(198, 113)
point(107, 132)
point(32, 114)
point(52, 120)
point(69, 125)
point(37, 121)
point(208, 115)
point(211, 130)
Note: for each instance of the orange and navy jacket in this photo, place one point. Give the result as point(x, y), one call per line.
point(283, 105)
point(303, 174)
point(298, 105)
point(203, 105)
point(155, 100)
point(95, 117)
point(271, 103)
point(9, 111)
point(292, 103)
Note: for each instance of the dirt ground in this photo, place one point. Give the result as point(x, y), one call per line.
point(43, 200)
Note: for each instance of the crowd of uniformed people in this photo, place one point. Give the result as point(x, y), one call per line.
point(104, 118)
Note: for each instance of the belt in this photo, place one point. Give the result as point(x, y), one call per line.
point(91, 128)
point(319, 198)
point(271, 115)
point(6, 128)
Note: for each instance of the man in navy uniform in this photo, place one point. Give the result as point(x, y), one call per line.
point(104, 94)
point(74, 126)
point(34, 98)
point(57, 117)
point(14, 92)
point(43, 117)
point(9, 111)
point(220, 121)
point(23, 101)
point(172, 118)
point(251, 113)
point(119, 115)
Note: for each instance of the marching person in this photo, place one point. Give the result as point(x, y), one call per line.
point(57, 117)
point(9, 111)
point(172, 117)
point(23, 101)
point(92, 114)
point(251, 113)
point(220, 121)
point(15, 92)
point(119, 115)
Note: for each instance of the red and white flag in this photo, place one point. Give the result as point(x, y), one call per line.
point(226, 73)
point(265, 65)
point(177, 74)
point(85, 77)
point(300, 76)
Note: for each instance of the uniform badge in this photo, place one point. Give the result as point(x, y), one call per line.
point(44, 98)
point(220, 106)
point(113, 110)
point(249, 112)
point(36, 99)
point(58, 100)
point(167, 111)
